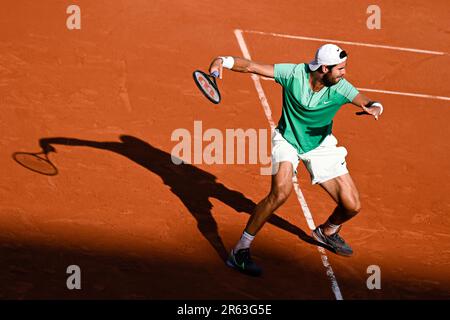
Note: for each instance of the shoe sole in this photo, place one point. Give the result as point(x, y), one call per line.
point(340, 253)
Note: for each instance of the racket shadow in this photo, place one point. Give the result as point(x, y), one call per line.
point(193, 186)
point(36, 161)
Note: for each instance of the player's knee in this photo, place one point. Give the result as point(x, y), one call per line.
point(356, 207)
point(279, 194)
point(353, 207)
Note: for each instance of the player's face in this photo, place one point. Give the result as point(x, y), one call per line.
point(336, 74)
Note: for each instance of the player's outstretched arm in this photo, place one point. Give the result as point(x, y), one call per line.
point(241, 65)
point(373, 108)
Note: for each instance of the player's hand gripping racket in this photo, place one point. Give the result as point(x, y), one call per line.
point(207, 85)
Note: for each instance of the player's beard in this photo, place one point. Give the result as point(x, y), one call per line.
point(329, 81)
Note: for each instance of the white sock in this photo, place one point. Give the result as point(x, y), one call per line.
point(244, 242)
point(333, 227)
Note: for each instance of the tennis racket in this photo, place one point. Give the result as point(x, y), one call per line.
point(207, 85)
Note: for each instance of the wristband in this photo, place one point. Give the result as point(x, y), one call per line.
point(377, 104)
point(227, 62)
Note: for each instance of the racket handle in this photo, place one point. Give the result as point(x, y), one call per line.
point(215, 74)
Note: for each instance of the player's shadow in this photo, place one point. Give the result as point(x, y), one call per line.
point(192, 185)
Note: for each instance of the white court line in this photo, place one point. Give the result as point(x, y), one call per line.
point(323, 254)
point(408, 94)
point(301, 199)
point(257, 82)
point(362, 44)
point(418, 95)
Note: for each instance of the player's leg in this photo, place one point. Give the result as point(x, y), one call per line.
point(327, 167)
point(281, 188)
point(284, 164)
point(343, 190)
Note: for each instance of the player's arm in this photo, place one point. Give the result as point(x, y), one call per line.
point(369, 107)
point(241, 65)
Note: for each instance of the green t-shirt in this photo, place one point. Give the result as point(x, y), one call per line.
point(307, 116)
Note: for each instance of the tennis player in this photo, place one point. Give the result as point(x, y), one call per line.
point(312, 94)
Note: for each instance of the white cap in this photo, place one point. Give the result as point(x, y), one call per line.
point(328, 55)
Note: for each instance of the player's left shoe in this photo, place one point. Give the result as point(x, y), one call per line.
point(334, 241)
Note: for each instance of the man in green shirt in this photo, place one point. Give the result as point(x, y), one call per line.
point(312, 94)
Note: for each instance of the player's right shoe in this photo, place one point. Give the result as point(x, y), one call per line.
point(334, 241)
point(242, 261)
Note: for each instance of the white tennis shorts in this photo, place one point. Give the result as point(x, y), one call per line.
point(325, 162)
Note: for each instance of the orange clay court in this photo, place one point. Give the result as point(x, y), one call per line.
point(108, 98)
